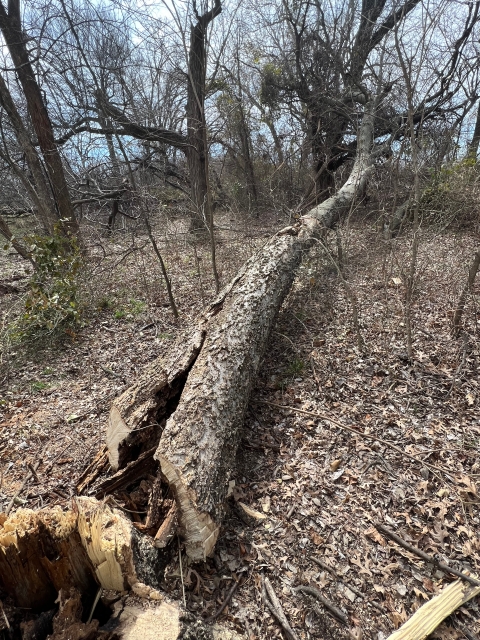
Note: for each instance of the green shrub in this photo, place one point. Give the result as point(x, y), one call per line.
point(52, 302)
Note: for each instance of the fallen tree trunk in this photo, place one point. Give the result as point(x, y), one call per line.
point(189, 410)
point(216, 369)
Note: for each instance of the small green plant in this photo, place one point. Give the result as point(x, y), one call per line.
point(295, 368)
point(137, 307)
point(39, 386)
point(119, 314)
point(105, 303)
point(52, 302)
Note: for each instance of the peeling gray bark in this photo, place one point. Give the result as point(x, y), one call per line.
point(198, 444)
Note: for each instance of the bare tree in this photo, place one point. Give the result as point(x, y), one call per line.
point(58, 207)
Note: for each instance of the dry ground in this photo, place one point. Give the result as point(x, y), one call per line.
point(321, 489)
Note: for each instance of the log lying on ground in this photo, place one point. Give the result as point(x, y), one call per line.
point(92, 545)
point(220, 361)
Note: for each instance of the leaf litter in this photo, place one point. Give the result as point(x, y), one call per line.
point(303, 488)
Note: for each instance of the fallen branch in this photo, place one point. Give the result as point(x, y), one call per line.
point(270, 598)
point(110, 372)
point(337, 613)
point(425, 556)
point(387, 443)
point(228, 597)
point(134, 470)
point(432, 613)
point(32, 472)
point(332, 571)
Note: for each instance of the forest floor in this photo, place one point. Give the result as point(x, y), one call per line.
point(320, 489)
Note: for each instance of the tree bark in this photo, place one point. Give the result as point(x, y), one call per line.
point(399, 215)
point(197, 149)
point(11, 27)
point(475, 141)
point(472, 274)
point(18, 246)
point(40, 190)
point(198, 443)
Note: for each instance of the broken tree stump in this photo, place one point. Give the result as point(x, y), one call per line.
point(42, 552)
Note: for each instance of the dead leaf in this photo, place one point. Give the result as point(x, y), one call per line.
point(316, 538)
point(374, 535)
point(266, 504)
point(251, 512)
point(335, 464)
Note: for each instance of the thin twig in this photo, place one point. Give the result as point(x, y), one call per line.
point(33, 471)
point(110, 372)
point(95, 602)
point(4, 615)
point(23, 485)
point(332, 571)
point(228, 597)
point(337, 613)
point(425, 556)
point(387, 443)
point(275, 608)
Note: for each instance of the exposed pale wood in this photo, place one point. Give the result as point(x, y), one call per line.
point(248, 515)
point(121, 556)
point(41, 553)
point(97, 465)
point(134, 470)
point(432, 613)
point(168, 528)
point(44, 551)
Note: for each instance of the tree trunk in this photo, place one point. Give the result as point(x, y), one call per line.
point(216, 370)
point(192, 406)
point(400, 214)
point(11, 27)
point(16, 244)
point(197, 149)
point(475, 141)
point(39, 191)
point(472, 274)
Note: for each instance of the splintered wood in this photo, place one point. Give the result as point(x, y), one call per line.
point(41, 553)
point(433, 612)
point(45, 551)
